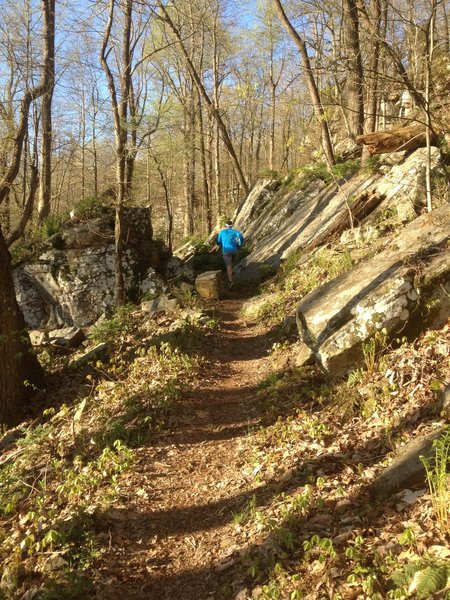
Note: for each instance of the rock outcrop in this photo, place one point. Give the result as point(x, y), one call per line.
point(401, 290)
point(391, 293)
point(279, 217)
point(71, 281)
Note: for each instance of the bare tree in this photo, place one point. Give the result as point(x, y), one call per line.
point(355, 75)
point(205, 97)
point(20, 372)
point(119, 107)
point(311, 82)
point(45, 184)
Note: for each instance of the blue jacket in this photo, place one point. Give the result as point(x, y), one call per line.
point(230, 240)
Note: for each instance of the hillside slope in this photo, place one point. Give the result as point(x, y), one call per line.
point(202, 455)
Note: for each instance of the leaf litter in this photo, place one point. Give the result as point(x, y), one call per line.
point(247, 489)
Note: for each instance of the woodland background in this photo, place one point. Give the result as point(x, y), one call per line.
point(183, 105)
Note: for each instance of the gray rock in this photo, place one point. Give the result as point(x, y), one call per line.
point(186, 287)
point(159, 304)
point(359, 235)
point(68, 337)
point(403, 186)
point(38, 337)
point(277, 219)
point(208, 284)
point(384, 293)
point(303, 355)
point(407, 469)
point(99, 352)
point(71, 282)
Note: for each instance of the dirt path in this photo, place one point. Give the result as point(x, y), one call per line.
point(178, 541)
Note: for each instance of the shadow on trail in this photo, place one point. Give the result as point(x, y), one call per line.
point(217, 583)
point(227, 349)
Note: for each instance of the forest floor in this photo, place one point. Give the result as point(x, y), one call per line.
point(178, 539)
point(258, 487)
point(250, 481)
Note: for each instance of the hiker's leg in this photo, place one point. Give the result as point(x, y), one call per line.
point(228, 259)
point(230, 273)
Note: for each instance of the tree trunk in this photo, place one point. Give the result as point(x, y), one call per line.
point(20, 372)
point(355, 78)
point(204, 167)
point(120, 133)
point(373, 74)
point(45, 190)
point(396, 140)
point(311, 83)
point(189, 164)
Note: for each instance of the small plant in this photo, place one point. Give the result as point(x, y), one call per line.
point(246, 513)
point(319, 548)
point(270, 173)
point(89, 207)
point(439, 480)
point(119, 325)
point(422, 579)
point(372, 348)
point(355, 378)
point(345, 169)
point(49, 227)
point(373, 164)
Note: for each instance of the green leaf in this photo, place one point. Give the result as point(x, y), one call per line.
point(428, 581)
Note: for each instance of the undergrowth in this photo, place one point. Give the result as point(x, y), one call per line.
point(294, 281)
point(70, 469)
point(320, 448)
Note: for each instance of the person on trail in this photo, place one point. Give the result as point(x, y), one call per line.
point(230, 240)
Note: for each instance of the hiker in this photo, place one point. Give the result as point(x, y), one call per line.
point(230, 240)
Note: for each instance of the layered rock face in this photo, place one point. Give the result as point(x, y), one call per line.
point(71, 281)
point(276, 219)
point(392, 293)
point(403, 289)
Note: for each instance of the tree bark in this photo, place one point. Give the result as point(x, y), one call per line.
point(396, 140)
point(120, 133)
point(372, 76)
point(311, 83)
point(20, 372)
point(355, 76)
point(45, 189)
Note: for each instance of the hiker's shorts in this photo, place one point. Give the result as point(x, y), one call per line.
point(228, 258)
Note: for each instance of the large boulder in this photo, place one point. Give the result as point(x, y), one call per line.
point(279, 217)
point(209, 285)
point(71, 281)
point(395, 292)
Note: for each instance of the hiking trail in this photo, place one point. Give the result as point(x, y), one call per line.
point(178, 541)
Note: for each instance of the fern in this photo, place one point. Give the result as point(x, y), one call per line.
point(406, 574)
point(423, 579)
point(355, 377)
point(430, 580)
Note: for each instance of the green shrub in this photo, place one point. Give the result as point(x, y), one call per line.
point(345, 169)
point(120, 324)
point(269, 173)
point(89, 207)
point(49, 227)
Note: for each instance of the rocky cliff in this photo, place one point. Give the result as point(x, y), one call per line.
point(70, 280)
point(397, 286)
